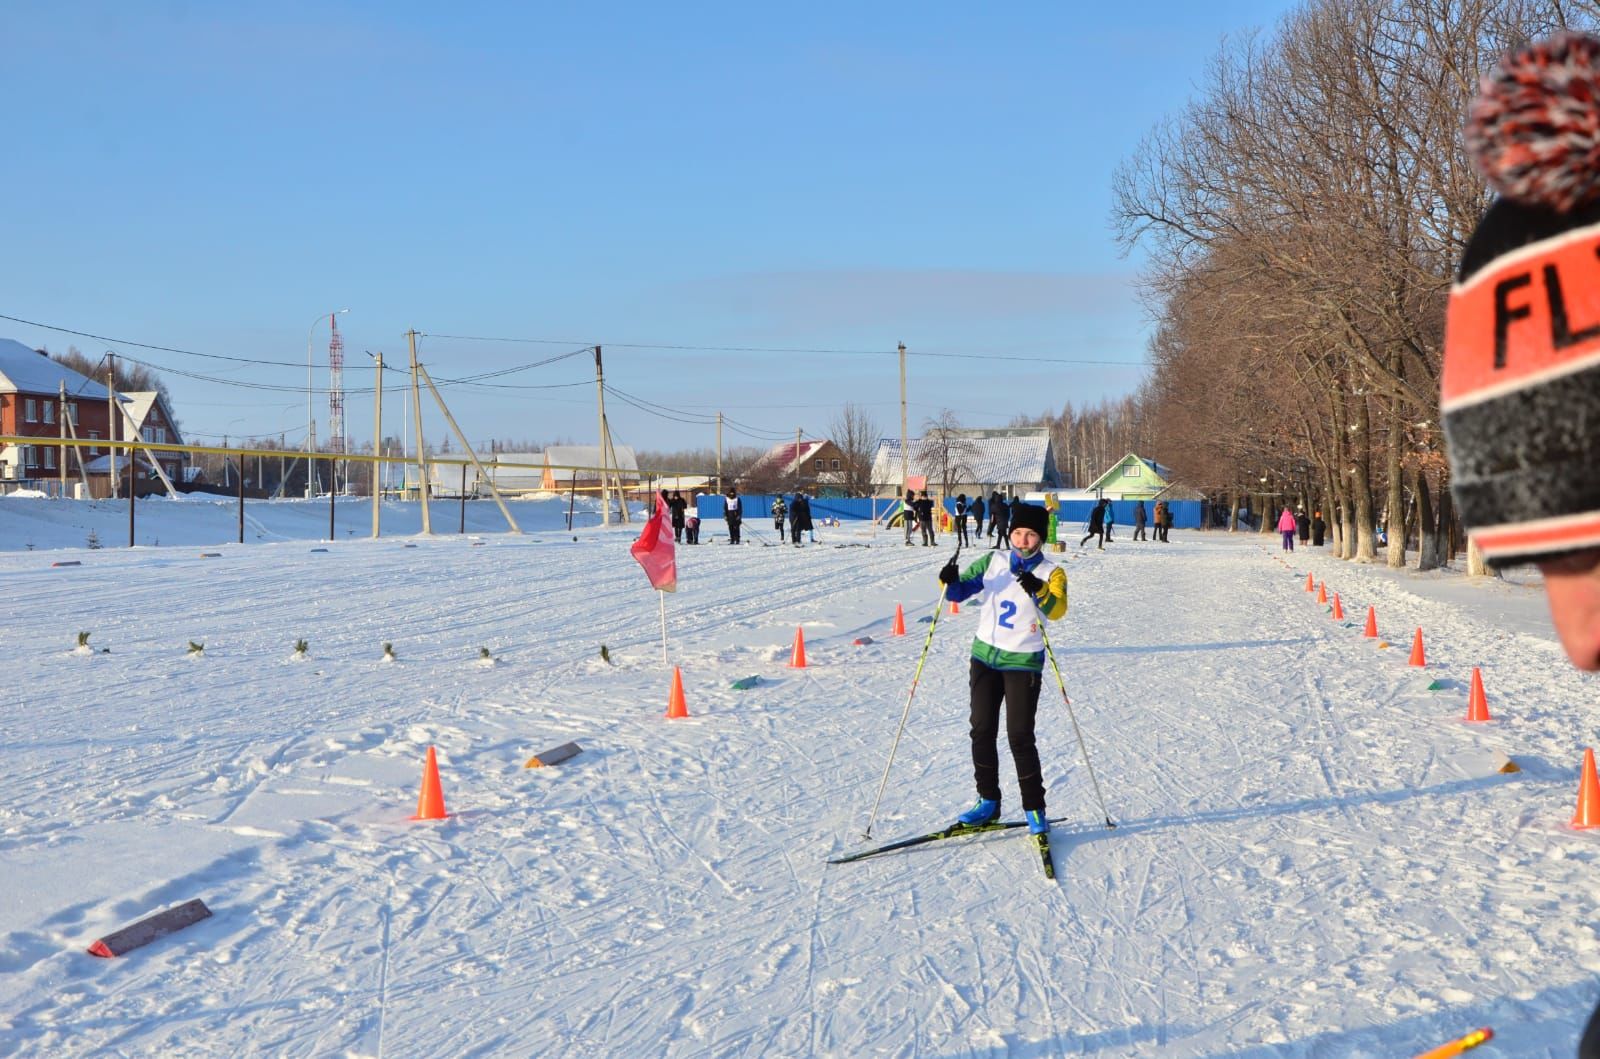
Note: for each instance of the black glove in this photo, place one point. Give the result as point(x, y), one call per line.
point(1030, 584)
point(949, 573)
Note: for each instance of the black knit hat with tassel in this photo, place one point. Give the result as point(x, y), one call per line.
point(1520, 389)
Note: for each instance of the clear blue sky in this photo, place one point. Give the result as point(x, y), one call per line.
point(211, 177)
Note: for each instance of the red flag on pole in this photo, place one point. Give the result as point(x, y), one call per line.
point(654, 550)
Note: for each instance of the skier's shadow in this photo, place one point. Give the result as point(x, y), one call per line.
point(1091, 833)
point(1146, 649)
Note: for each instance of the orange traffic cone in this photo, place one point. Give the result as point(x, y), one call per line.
point(430, 804)
point(1372, 623)
point(1588, 813)
point(676, 707)
point(1311, 582)
point(798, 659)
point(1322, 592)
point(1477, 701)
point(1417, 656)
point(899, 620)
point(1338, 611)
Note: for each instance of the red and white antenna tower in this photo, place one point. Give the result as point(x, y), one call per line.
point(337, 442)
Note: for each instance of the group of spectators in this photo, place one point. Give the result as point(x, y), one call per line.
point(686, 515)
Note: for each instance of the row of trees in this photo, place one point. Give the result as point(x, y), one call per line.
point(1304, 217)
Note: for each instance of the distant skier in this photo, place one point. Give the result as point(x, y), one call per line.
point(909, 514)
point(1286, 528)
point(925, 519)
point(1018, 590)
point(1319, 530)
point(677, 506)
point(1139, 521)
point(977, 515)
point(961, 520)
point(800, 517)
point(691, 522)
point(732, 514)
point(778, 511)
point(1302, 525)
point(1097, 524)
point(999, 517)
point(1110, 518)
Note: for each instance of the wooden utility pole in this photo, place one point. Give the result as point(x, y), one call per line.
point(422, 459)
point(719, 452)
point(797, 468)
point(600, 391)
point(377, 443)
point(903, 440)
point(111, 419)
point(61, 422)
point(483, 475)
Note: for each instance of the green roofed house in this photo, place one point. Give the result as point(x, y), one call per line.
point(1133, 478)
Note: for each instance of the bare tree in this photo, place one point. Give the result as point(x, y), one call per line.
point(946, 451)
point(854, 433)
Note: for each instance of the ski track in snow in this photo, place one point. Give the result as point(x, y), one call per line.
point(1314, 856)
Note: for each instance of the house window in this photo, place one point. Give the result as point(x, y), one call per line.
point(155, 435)
point(1130, 471)
point(72, 412)
point(819, 465)
point(49, 457)
point(28, 458)
point(833, 465)
point(49, 411)
point(94, 450)
point(30, 410)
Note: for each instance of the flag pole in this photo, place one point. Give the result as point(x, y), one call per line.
point(662, 596)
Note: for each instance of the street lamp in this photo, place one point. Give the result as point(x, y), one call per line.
point(311, 424)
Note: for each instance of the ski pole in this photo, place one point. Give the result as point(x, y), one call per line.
point(923, 657)
point(1459, 1045)
point(1076, 730)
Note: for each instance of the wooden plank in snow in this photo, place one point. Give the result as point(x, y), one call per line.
point(150, 928)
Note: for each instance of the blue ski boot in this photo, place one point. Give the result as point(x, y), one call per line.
point(983, 811)
point(1037, 822)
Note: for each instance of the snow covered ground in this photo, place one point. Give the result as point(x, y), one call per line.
point(1314, 855)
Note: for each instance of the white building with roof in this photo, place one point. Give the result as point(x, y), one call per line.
point(977, 462)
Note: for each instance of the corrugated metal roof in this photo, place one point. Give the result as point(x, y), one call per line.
point(557, 456)
point(987, 457)
point(781, 458)
point(23, 370)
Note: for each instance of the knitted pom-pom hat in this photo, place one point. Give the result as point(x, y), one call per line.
point(1520, 389)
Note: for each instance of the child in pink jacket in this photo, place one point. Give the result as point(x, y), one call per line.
point(1287, 528)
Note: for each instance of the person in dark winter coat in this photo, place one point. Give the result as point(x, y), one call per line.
point(1519, 387)
point(977, 514)
point(925, 519)
point(733, 515)
point(961, 520)
point(1319, 528)
point(1019, 591)
point(799, 517)
point(1166, 521)
point(1302, 525)
point(1097, 524)
point(677, 505)
point(1139, 520)
point(999, 519)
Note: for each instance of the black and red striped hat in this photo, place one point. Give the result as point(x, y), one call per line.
point(1520, 388)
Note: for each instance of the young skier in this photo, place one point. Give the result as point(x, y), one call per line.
point(1520, 382)
point(1286, 528)
point(778, 511)
point(1019, 590)
point(1097, 524)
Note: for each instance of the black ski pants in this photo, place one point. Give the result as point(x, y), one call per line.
point(1094, 531)
point(1020, 691)
point(961, 530)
